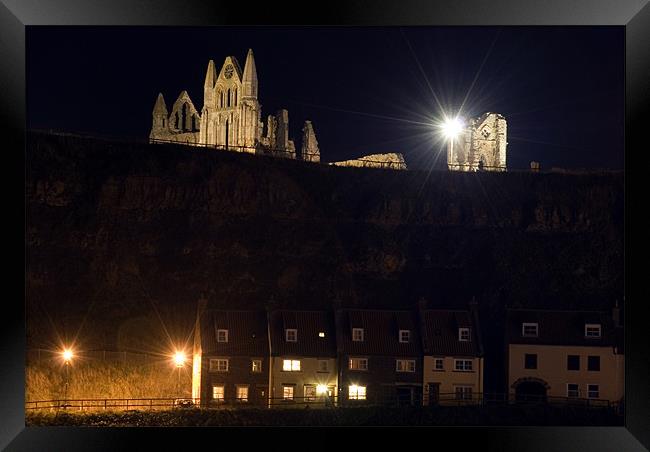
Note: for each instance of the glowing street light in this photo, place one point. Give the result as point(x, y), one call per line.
point(451, 128)
point(67, 355)
point(179, 359)
point(321, 389)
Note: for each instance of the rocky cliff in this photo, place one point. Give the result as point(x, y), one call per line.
point(124, 238)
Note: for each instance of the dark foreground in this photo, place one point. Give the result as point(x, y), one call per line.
point(490, 415)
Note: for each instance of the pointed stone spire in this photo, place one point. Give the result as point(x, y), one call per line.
point(210, 76)
point(160, 107)
point(249, 82)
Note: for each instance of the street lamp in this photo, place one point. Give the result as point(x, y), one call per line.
point(179, 361)
point(451, 129)
point(67, 354)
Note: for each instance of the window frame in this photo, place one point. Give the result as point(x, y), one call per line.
point(327, 365)
point(463, 360)
point(290, 330)
point(464, 330)
point(529, 324)
point(526, 355)
point(463, 391)
point(358, 330)
point(435, 364)
point(591, 391)
point(221, 330)
point(594, 326)
point(253, 361)
point(242, 399)
point(596, 360)
point(359, 359)
point(223, 393)
point(569, 391)
point(408, 336)
point(407, 368)
point(216, 367)
point(284, 393)
point(310, 398)
point(292, 365)
point(357, 396)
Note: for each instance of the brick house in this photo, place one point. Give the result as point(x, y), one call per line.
point(302, 367)
point(231, 358)
point(380, 356)
point(567, 354)
point(453, 367)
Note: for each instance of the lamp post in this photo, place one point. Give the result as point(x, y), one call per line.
point(179, 361)
point(67, 356)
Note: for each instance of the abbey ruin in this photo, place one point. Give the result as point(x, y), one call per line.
point(231, 115)
point(481, 146)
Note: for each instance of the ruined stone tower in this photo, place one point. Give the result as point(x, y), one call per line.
point(481, 146)
point(230, 117)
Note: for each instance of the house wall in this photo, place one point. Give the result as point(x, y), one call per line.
point(381, 379)
point(239, 373)
point(308, 375)
point(450, 378)
point(552, 368)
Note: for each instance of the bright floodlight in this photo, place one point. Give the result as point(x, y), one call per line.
point(67, 354)
point(179, 359)
point(452, 128)
point(321, 389)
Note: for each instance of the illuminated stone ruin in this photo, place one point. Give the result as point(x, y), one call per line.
point(481, 145)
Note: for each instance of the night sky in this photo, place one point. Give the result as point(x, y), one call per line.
point(367, 90)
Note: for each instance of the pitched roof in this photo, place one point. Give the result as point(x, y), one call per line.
point(247, 333)
point(440, 333)
point(308, 325)
point(557, 327)
point(381, 332)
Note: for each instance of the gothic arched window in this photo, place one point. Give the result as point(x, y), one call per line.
point(228, 97)
point(220, 94)
point(235, 104)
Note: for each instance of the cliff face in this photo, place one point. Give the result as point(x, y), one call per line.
point(118, 232)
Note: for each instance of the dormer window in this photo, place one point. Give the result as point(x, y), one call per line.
point(529, 329)
point(405, 336)
point(357, 334)
point(222, 335)
point(321, 334)
point(463, 334)
point(291, 335)
point(592, 330)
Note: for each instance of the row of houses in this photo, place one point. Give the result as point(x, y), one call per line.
point(424, 356)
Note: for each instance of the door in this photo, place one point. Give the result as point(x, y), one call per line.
point(434, 393)
point(261, 395)
point(404, 396)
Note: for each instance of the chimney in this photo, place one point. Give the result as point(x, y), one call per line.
point(616, 315)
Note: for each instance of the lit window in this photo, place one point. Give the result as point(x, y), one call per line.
point(291, 335)
point(463, 334)
point(219, 365)
point(222, 335)
point(405, 365)
point(592, 330)
point(291, 365)
point(310, 393)
point(217, 393)
point(463, 365)
point(593, 363)
point(358, 363)
point(530, 361)
point(357, 334)
point(404, 335)
point(529, 330)
point(257, 366)
point(287, 392)
point(242, 393)
point(321, 334)
point(593, 391)
point(438, 364)
point(463, 393)
point(322, 365)
point(357, 392)
point(572, 390)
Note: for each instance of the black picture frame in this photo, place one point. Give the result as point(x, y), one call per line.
point(634, 15)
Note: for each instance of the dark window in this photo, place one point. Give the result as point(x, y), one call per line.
point(593, 363)
point(573, 362)
point(530, 361)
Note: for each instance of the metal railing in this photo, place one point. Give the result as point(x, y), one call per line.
point(442, 400)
